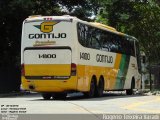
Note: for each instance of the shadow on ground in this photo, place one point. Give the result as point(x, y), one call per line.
point(80, 97)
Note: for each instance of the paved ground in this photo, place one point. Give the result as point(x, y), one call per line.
point(110, 103)
point(76, 103)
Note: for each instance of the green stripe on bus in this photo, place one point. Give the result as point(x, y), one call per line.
point(121, 76)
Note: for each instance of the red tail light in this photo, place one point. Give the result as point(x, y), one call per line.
point(22, 70)
point(73, 69)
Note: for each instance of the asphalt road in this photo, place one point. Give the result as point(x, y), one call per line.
point(110, 103)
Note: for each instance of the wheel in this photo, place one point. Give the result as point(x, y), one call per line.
point(91, 92)
point(59, 96)
point(130, 91)
point(100, 88)
point(46, 96)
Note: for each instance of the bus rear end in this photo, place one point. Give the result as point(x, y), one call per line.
point(46, 55)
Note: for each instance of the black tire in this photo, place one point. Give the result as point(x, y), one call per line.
point(59, 96)
point(100, 88)
point(46, 96)
point(130, 91)
point(91, 92)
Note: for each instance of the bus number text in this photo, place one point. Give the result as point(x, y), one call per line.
point(47, 56)
point(85, 56)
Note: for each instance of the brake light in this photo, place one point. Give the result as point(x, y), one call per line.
point(22, 70)
point(73, 69)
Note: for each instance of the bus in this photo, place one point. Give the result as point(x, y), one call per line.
point(63, 54)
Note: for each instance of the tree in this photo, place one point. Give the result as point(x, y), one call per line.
point(137, 18)
point(12, 13)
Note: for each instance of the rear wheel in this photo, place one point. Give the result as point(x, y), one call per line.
point(91, 92)
point(100, 88)
point(46, 96)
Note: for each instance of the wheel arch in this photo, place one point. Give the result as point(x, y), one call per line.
point(133, 82)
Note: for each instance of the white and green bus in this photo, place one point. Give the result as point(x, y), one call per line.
point(62, 54)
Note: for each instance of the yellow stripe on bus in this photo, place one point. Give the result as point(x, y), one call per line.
point(47, 69)
point(115, 71)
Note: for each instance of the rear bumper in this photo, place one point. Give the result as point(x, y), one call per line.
point(50, 85)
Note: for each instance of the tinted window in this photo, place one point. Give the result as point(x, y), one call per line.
point(92, 37)
point(89, 36)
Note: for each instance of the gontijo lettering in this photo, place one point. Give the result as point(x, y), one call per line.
point(48, 35)
point(104, 58)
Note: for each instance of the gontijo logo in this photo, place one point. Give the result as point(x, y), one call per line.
point(46, 27)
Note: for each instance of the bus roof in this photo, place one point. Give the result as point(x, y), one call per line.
point(39, 18)
point(104, 26)
point(71, 18)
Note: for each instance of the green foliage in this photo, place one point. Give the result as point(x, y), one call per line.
point(13, 12)
point(140, 18)
point(137, 18)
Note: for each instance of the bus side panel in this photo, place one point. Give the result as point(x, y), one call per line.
point(85, 74)
point(123, 69)
point(81, 78)
point(133, 73)
point(90, 64)
point(112, 74)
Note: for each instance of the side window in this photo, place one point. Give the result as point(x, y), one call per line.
point(111, 42)
point(95, 38)
point(129, 46)
point(126, 46)
point(119, 43)
point(82, 34)
point(88, 36)
point(138, 56)
point(123, 45)
point(106, 41)
point(114, 43)
point(132, 48)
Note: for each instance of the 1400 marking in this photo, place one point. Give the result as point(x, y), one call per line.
point(85, 56)
point(47, 56)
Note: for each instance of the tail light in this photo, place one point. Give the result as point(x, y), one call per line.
point(73, 69)
point(22, 70)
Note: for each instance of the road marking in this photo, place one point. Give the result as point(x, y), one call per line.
point(135, 105)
